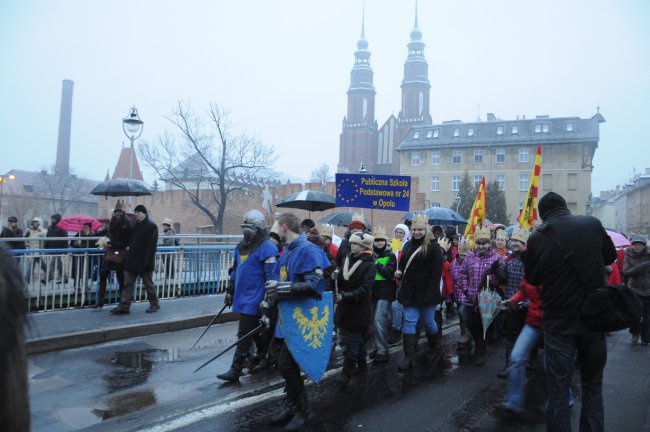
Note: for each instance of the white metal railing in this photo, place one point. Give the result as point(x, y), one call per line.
point(69, 278)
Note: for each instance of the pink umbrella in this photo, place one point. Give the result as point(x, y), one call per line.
point(75, 222)
point(619, 239)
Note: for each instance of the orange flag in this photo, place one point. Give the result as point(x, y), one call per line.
point(528, 213)
point(477, 215)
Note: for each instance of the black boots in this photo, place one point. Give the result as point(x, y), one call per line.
point(301, 415)
point(410, 345)
point(346, 373)
point(432, 344)
point(284, 416)
point(503, 373)
point(232, 375)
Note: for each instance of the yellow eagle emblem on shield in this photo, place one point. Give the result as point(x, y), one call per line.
point(313, 330)
point(283, 273)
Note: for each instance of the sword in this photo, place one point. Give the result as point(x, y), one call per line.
point(208, 327)
point(246, 336)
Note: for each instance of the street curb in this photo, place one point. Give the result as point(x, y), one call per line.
point(107, 334)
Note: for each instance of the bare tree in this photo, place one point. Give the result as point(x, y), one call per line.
point(321, 175)
point(208, 160)
point(59, 192)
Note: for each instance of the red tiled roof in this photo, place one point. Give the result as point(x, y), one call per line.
point(122, 167)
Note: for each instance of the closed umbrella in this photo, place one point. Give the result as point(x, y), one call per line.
point(75, 222)
point(440, 216)
point(488, 302)
point(121, 187)
point(308, 200)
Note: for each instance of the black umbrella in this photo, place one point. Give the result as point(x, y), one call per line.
point(121, 187)
point(440, 216)
point(308, 200)
point(341, 219)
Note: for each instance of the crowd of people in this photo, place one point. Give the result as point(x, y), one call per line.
point(129, 245)
point(388, 288)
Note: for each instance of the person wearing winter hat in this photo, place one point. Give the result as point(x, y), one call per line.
point(384, 292)
point(118, 233)
point(139, 262)
point(356, 225)
point(354, 304)
point(13, 231)
point(419, 271)
point(636, 268)
point(55, 264)
point(169, 239)
point(563, 252)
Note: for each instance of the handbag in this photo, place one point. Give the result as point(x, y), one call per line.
point(605, 309)
point(115, 256)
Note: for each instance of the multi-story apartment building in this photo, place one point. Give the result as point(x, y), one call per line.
point(504, 151)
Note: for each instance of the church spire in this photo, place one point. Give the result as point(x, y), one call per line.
point(415, 85)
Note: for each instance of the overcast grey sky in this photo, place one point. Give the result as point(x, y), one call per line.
point(283, 69)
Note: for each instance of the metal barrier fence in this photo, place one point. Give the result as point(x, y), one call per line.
point(69, 278)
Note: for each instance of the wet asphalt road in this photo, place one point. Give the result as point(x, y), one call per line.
point(147, 384)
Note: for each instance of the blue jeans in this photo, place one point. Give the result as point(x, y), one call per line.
point(398, 312)
point(381, 326)
point(527, 340)
point(558, 359)
point(426, 315)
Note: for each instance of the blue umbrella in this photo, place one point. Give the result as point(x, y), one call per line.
point(440, 216)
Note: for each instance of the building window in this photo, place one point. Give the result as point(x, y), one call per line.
point(456, 157)
point(547, 181)
point(436, 133)
point(456, 131)
point(514, 129)
point(415, 158)
point(572, 153)
point(523, 182)
point(501, 155)
point(500, 130)
point(477, 181)
point(429, 133)
point(523, 155)
point(501, 182)
point(478, 156)
point(455, 183)
point(572, 182)
point(435, 184)
point(470, 131)
point(545, 127)
point(538, 127)
point(569, 127)
point(435, 157)
point(416, 134)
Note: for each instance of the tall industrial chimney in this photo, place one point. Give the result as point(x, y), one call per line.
point(62, 166)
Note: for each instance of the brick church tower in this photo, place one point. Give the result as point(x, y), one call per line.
point(361, 141)
point(359, 134)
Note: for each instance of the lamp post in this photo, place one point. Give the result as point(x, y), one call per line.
point(4, 179)
point(132, 126)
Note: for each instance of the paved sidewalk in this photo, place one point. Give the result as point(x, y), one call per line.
point(59, 330)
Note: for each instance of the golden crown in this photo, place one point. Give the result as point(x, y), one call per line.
point(275, 228)
point(420, 218)
point(379, 233)
point(481, 232)
point(326, 230)
point(358, 217)
point(463, 246)
point(520, 234)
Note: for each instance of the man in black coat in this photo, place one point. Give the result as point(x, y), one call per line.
point(139, 261)
point(562, 253)
point(55, 262)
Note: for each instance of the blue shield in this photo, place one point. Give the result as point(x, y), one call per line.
point(307, 326)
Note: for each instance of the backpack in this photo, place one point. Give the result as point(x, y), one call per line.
point(612, 308)
point(607, 309)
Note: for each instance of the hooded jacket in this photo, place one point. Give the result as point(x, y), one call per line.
point(636, 268)
point(472, 276)
point(35, 234)
point(54, 231)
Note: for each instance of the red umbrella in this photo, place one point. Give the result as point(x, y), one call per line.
point(619, 239)
point(75, 222)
